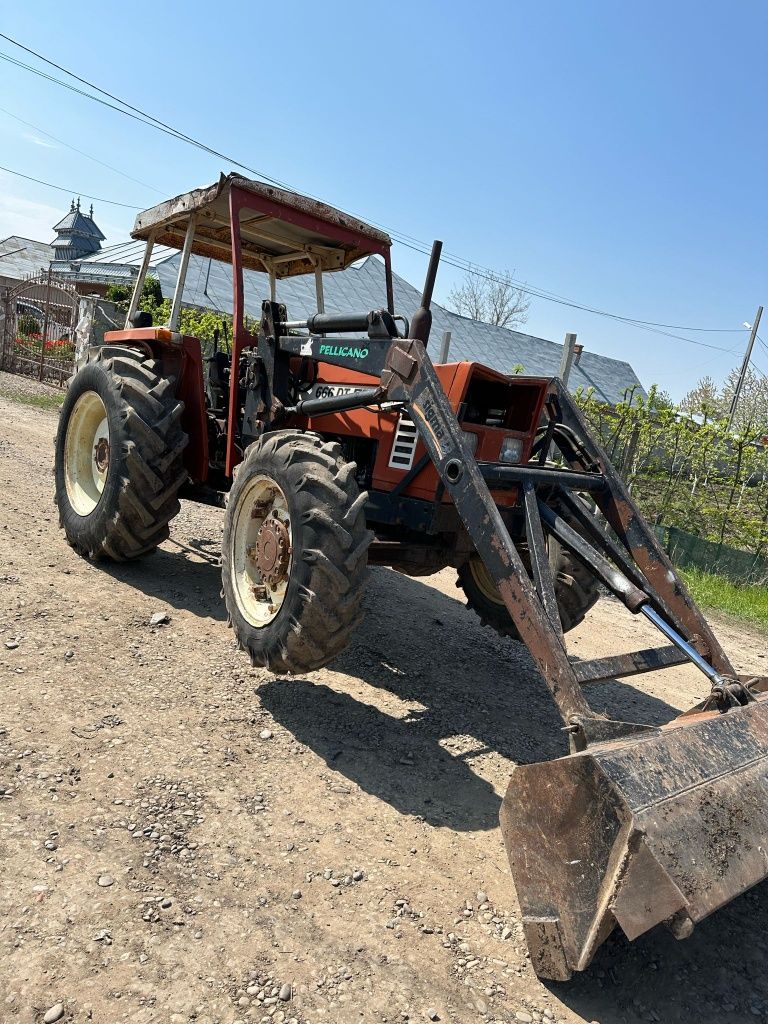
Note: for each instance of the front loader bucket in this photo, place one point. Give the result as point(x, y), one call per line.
point(663, 827)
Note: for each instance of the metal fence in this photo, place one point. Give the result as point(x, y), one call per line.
point(40, 317)
point(689, 551)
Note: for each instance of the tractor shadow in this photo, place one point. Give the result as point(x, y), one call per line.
point(443, 678)
point(452, 696)
point(396, 759)
point(177, 575)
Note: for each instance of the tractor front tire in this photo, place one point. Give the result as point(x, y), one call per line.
point(294, 552)
point(576, 590)
point(119, 456)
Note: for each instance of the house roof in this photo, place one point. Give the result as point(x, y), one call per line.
point(362, 287)
point(24, 257)
point(78, 224)
point(92, 271)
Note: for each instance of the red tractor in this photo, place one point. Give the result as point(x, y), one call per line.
point(338, 443)
point(336, 482)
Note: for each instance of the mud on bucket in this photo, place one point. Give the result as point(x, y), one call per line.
point(664, 827)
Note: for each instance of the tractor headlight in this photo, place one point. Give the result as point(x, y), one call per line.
point(511, 450)
point(469, 440)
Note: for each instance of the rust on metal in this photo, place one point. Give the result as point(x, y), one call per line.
point(273, 551)
point(669, 826)
point(101, 454)
point(332, 239)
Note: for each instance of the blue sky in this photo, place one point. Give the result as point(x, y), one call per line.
point(611, 153)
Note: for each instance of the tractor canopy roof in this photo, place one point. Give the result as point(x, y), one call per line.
point(279, 230)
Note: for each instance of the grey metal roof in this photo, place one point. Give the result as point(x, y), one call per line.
point(95, 272)
point(77, 223)
point(33, 257)
point(362, 287)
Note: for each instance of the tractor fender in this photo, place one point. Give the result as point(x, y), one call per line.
point(180, 357)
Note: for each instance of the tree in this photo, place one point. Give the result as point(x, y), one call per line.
point(492, 300)
point(704, 400)
point(752, 409)
point(697, 476)
point(711, 402)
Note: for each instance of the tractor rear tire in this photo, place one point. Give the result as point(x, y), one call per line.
point(294, 552)
point(576, 590)
point(119, 456)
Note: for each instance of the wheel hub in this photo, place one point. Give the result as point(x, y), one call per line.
point(101, 454)
point(262, 544)
point(273, 551)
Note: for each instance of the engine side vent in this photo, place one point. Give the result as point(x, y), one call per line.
point(404, 446)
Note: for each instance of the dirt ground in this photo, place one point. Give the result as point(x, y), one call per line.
point(185, 838)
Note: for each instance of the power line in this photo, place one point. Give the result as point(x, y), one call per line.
point(70, 191)
point(135, 113)
point(458, 262)
point(136, 247)
point(641, 324)
point(88, 156)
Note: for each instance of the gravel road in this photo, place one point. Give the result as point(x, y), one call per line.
point(185, 838)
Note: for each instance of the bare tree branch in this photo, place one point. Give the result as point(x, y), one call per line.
point(496, 301)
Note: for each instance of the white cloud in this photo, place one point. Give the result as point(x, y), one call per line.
point(39, 142)
point(26, 217)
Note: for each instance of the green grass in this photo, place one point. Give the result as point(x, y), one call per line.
point(52, 401)
point(718, 593)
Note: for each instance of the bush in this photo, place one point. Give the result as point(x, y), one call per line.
point(27, 325)
point(152, 291)
point(119, 293)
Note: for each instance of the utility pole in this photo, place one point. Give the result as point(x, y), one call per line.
point(744, 367)
point(566, 359)
point(445, 346)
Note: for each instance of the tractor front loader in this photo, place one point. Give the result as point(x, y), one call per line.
point(338, 443)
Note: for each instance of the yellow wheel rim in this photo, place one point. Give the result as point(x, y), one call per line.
point(86, 453)
point(261, 520)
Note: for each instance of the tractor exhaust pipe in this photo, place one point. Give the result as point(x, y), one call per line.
point(421, 324)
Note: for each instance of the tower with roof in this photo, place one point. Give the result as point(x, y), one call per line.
point(77, 236)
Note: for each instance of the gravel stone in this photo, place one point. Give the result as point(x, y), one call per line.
point(105, 881)
point(265, 734)
point(55, 1013)
point(159, 618)
point(285, 993)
